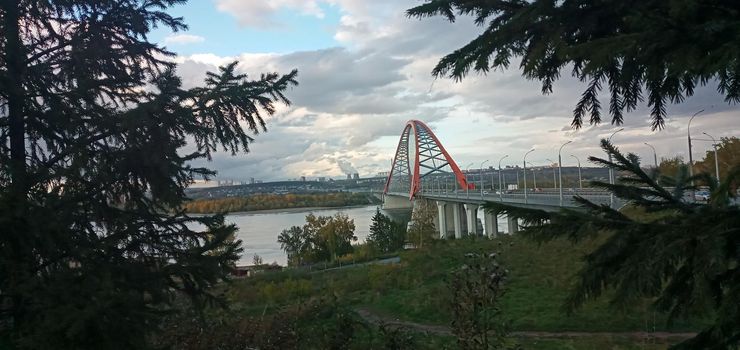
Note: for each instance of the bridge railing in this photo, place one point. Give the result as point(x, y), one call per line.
point(547, 198)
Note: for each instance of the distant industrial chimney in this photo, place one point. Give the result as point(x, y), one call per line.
point(356, 176)
point(349, 176)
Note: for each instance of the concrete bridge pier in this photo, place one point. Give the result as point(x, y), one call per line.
point(442, 216)
point(471, 218)
point(513, 224)
point(491, 224)
point(457, 220)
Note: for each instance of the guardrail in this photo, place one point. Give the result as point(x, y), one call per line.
point(547, 198)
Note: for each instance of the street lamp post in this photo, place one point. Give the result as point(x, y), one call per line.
point(481, 177)
point(525, 174)
point(580, 183)
point(655, 154)
point(467, 185)
point(611, 171)
point(716, 159)
point(688, 135)
point(554, 182)
point(500, 176)
point(560, 172)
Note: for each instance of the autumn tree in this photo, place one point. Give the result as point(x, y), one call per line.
point(671, 166)
point(654, 50)
point(322, 238)
point(728, 154)
point(422, 222)
point(93, 124)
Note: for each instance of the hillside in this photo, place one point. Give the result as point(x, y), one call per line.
point(415, 291)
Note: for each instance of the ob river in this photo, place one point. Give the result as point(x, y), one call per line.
point(259, 230)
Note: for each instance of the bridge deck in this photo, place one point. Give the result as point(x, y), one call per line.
point(548, 200)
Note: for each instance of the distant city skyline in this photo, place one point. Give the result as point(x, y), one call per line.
point(364, 69)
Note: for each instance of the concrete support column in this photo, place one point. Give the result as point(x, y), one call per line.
point(457, 220)
point(491, 224)
point(471, 211)
point(442, 214)
point(513, 224)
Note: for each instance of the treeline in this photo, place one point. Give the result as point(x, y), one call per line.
point(322, 238)
point(278, 201)
point(330, 238)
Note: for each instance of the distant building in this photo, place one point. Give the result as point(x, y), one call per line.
point(251, 181)
point(203, 184)
point(356, 176)
point(349, 176)
point(303, 179)
point(322, 179)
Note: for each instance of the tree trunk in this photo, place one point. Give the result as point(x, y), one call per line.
point(15, 61)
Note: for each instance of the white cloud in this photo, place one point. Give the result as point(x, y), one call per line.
point(353, 101)
point(259, 13)
point(183, 39)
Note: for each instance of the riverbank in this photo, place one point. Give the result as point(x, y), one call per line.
point(293, 210)
point(259, 202)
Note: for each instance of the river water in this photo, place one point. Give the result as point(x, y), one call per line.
point(259, 231)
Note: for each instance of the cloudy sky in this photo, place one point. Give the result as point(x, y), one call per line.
point(364, 69)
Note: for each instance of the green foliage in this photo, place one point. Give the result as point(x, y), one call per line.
point(92, 133)
point(476, 290)
point(667, 48)
point(385, 234)
point(422, 223)
point(282, 291)
point(276, 201)
point(670, 167)
point(322, 238)
point(728, 152)
point(686, 258)
point(319, 323)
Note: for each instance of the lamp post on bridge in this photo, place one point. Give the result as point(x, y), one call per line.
point(554, 181)
point(467, 185)
point(580, 183)
point(481, 177)
point(716, 160)
point(500, 189)
point(560, 172)
point(688, 135)
point(611, 171)
point(655, 154)
point(525, 174)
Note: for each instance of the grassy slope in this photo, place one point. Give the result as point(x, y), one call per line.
point(415, 290)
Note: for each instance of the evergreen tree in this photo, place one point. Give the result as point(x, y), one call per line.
point(667, 48)
point(93, 121)
point(295, 243)
point(663, 245)
point(385, 234)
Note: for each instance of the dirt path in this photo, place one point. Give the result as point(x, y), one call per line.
point(375, 318)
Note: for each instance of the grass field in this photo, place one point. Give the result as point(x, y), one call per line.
point(415, 290)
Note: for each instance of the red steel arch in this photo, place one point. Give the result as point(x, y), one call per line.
point(428, 151)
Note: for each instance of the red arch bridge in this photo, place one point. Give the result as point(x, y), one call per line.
point(422, 168)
